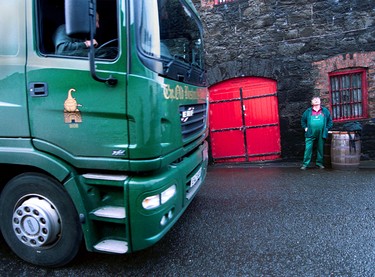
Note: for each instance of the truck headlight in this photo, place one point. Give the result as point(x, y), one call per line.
point(151, 202)
point(154, 201)
point(168, 194)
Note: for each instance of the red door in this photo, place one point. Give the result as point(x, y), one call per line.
point(244, 120)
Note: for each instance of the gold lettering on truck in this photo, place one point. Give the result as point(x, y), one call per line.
point(180, 93)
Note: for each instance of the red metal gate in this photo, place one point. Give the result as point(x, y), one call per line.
point(244, 120)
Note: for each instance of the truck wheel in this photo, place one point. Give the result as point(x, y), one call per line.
point(39, 221)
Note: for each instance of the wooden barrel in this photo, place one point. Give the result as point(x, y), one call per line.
point(327, 151)
point(345, 150)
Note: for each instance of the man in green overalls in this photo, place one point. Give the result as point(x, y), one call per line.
point(316, 121)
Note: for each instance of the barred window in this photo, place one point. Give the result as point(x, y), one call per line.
point(348, 95)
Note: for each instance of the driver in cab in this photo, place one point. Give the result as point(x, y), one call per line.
point(69, 46)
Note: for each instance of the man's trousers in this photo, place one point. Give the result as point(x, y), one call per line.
point(309, 149)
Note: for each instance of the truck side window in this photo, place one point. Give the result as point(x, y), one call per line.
point(53, 40)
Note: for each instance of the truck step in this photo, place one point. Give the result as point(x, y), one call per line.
point(112, 246)
point(110, 212)
point(111, 177)
point(104, 179)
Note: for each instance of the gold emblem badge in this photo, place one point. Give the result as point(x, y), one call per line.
point(71, 112)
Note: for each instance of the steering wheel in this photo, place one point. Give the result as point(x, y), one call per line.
point(107, 43)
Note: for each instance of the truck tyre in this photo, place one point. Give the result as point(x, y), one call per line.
point(39, 221)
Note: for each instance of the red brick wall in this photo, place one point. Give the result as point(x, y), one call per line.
point(345, 62)
point(207, 3)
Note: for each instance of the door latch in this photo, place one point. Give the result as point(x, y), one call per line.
point(38, 89)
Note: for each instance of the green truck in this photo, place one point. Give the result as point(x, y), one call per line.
point(104, 124)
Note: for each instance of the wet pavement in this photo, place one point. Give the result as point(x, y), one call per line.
point(258, 220)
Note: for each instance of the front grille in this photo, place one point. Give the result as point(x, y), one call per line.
point(193, 119)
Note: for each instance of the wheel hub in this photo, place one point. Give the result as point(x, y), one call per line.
point(36, 222)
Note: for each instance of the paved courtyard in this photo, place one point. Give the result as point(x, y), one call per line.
point(252, 221)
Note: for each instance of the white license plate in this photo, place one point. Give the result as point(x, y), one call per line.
point(196, 177)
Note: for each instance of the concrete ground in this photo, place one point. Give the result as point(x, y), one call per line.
point(253, 220)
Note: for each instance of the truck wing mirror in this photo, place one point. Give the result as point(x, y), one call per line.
point(80, 21)
point(77, 17)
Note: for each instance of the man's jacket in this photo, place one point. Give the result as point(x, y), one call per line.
point(305, 122)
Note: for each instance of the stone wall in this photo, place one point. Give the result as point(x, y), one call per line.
point(287, 40)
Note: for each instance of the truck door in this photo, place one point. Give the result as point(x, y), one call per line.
point(71, 114)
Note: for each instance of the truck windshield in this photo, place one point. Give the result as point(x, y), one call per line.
point(170, 39)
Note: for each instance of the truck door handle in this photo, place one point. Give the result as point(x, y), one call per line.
point(38, 89)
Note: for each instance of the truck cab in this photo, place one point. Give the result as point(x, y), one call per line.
point(103, 138)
